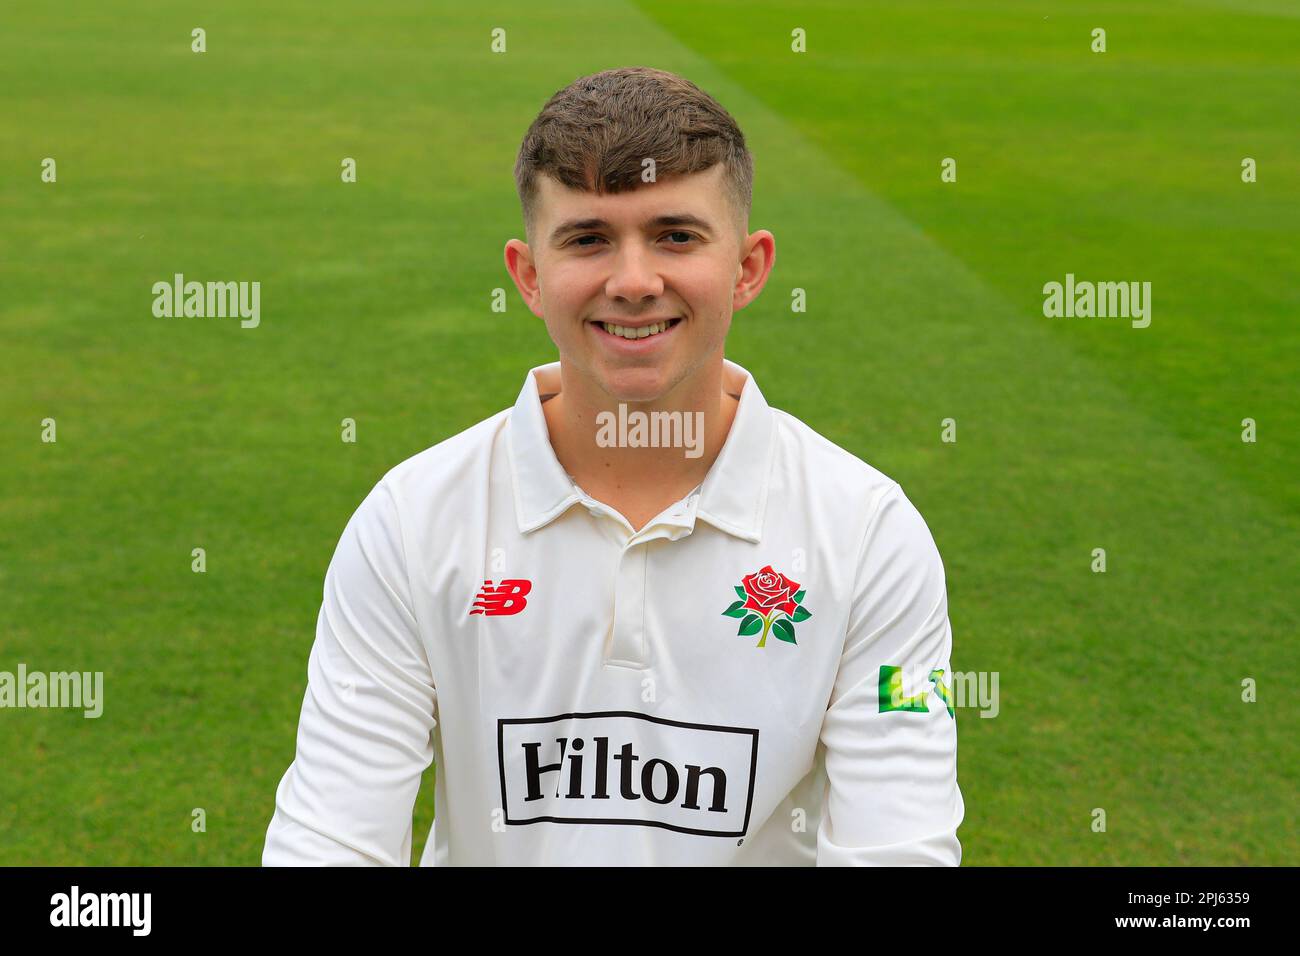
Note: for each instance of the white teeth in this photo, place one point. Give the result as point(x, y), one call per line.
point(629, 333)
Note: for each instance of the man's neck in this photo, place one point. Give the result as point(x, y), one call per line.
point(638, 481)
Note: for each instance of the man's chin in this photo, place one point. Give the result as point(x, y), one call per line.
point(636, 385)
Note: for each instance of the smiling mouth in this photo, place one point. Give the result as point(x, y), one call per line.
point(635, 334)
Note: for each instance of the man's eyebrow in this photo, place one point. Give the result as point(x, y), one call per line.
point(658, 222)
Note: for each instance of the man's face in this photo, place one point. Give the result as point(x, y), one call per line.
point(670, 251)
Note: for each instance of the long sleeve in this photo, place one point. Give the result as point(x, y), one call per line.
point(365, 732)
point(890, 737)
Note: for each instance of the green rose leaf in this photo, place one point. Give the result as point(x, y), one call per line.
point(798, 596)
point(736, 610)
point(801, 613)
point(784, 631)
point(740, 592)
point(752, 624)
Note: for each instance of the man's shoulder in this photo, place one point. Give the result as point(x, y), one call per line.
point(451, 463)
point(832, 473)
point(895, 538)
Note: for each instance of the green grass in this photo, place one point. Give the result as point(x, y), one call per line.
point(1119, 691)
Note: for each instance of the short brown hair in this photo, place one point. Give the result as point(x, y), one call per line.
point(594, 134)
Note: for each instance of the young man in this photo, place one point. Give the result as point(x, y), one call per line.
point(641, 617)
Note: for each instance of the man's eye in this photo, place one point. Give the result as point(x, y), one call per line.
point(685, 239)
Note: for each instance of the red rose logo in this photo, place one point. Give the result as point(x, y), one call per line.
point(768, 589)
point(768, 601)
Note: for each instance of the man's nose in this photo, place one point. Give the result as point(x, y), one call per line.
point(635, 276)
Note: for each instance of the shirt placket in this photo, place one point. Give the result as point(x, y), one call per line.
point(627, 643)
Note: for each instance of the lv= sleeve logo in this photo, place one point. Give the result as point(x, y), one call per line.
point(892, 696)
point(508, 597)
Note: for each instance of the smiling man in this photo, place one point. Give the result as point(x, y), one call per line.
point(728, 645)
point(637, 290)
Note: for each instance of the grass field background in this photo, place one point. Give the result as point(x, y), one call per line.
point(1119, 691)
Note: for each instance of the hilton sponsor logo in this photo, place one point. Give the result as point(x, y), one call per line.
point(620, 767)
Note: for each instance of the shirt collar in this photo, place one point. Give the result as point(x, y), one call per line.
point(732, 497)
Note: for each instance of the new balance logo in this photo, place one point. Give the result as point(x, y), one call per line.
point(504, 598)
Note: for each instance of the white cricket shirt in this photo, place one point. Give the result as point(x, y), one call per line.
point(586, 691)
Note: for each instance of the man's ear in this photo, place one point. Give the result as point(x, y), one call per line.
point(520, 265)
point(758, 255)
